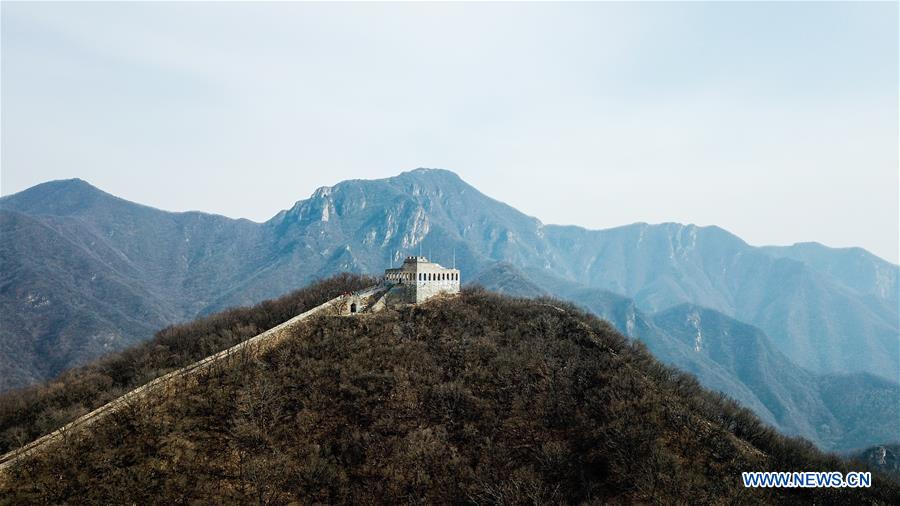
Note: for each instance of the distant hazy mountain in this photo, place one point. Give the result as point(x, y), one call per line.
point(506, 279)
point(837, 412)
point(815, 319)
point(63, 303)
point(84, 272)
point(856, 268)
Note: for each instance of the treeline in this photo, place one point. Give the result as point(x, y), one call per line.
point(477, 399)
point(28, 413)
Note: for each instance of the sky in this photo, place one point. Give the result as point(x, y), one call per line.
point(775, 121)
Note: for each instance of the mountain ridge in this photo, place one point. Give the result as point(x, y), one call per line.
point(74, 182)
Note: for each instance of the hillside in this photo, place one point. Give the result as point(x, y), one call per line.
point(885, 458)
point(63, 304)
point(478, 398)
point(85, 273)
point(837, 412)
point(28, 413)
point(830, 311)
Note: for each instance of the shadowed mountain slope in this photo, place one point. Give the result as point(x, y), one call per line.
point(62, 302)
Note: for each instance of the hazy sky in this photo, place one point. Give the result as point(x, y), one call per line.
point(776, 121)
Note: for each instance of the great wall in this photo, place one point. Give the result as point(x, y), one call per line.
point(416, 281)
point(257, 344)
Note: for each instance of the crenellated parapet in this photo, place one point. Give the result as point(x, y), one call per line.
point(418, 279)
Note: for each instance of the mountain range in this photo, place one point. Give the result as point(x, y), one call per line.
point(793, 332)
point(834, 410)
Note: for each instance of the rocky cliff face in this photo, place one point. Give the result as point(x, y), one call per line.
point(885, 458)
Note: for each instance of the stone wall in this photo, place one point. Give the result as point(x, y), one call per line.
point(361, 301)
point(428, 289)
point(180, 378)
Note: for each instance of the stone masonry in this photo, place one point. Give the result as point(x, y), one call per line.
point(418, 280)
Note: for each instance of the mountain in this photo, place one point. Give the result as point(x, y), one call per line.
point(478, 398)
point(504, 278)
point(189, 264)
point(816, 320)
point(835, 411)
point(85, 273)
point(180, 257)
point(855, 268)
point(815, 306)
point(62, 303)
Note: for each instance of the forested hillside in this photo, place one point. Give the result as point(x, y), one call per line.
point(478, 398)
point(28, 413)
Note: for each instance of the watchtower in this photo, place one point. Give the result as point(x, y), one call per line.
point(418, 280)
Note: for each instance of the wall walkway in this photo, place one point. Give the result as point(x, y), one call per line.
point(256, 344)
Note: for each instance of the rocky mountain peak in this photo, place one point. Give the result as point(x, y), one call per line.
point(322, 192)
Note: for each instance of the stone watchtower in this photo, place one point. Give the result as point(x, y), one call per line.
point(417, 280)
